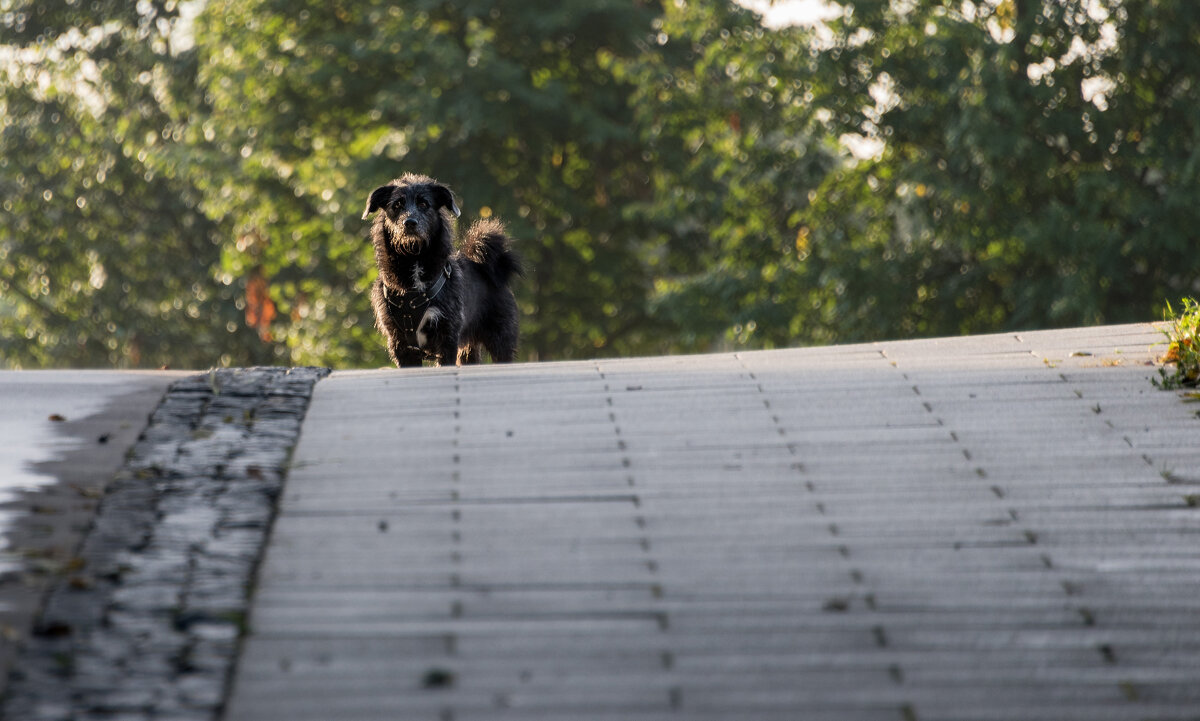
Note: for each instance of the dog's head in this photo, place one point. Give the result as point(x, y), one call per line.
point(415, 208)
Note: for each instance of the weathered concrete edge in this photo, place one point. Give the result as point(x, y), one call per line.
point(148, 619)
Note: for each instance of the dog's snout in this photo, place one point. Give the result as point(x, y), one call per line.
point(410, 224)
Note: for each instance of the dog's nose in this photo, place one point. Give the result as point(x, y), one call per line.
point(410, 224)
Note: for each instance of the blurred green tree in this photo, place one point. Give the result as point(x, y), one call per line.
point(677, 175)
point(579, 123)
point(506, 102)
point(104, 260)
point(725, 112)
point(1037, 166)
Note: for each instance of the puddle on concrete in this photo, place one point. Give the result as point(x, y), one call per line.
point(64, 426)
point(53, 473)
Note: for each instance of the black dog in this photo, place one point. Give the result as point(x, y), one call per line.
point(431, 301)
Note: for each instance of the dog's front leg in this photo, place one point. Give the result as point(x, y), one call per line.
point(397, 347)
point(435, 337)
point(446, 352)
point(406, 357)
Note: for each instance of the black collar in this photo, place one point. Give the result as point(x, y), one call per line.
point(413, 299)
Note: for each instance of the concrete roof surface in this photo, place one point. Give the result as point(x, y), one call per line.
point(995, 527)
point(990, 527)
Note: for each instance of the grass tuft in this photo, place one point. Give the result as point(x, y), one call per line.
point(1183, 349)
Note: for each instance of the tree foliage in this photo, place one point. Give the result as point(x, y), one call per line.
point(677, 174)
point(517, 109)
point(103, 260)
point(1039, 167)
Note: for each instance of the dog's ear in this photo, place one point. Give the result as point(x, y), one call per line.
point(443, 198)
point(379, 198)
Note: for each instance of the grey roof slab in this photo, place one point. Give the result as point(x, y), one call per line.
point(992, 527)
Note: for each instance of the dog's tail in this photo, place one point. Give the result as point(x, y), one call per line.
point(490, 249)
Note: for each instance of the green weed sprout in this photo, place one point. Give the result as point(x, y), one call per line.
point(1183, 349)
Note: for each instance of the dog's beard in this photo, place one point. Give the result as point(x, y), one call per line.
point(407, 242)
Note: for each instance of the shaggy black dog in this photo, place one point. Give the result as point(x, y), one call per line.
point(432, 302)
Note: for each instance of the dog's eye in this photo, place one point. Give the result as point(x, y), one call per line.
point(422, 204)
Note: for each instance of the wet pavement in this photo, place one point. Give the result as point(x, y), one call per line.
point(995, 527)
point(144, 618)
point(65, 434)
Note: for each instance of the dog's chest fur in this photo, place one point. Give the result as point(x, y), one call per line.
point(408, 281)
point(408, 272)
